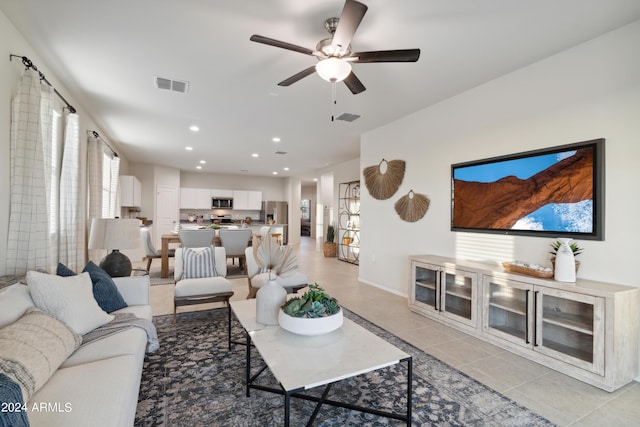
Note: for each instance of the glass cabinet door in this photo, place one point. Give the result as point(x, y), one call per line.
point(457, 294)
point(426, 281)
point(508, 310)
point(570, 327)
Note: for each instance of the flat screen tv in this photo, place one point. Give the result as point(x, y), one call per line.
point(552, 192)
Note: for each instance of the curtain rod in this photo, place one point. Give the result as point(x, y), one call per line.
point(97, 136)
point(27, 63)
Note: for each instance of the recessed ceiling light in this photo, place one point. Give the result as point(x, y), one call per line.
point(275, 139)
point(194, 128)
point(315, 179)
point(202, 162)
point(198, 167)
point(274, 172)
point(188, 148)
point(255, 155)
point(286, 169)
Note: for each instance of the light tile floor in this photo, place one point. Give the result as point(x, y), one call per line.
point(561, 399)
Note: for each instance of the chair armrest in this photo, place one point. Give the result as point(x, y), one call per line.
point(134, 289)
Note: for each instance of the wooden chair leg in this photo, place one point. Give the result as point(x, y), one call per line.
point(149, 259)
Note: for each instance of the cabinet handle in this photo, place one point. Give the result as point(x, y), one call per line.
point(535, 323)
point(526, 317)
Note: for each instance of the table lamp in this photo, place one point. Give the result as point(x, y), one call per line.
point(115, 234)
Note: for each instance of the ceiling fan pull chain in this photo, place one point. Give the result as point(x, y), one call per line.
point(333, 99)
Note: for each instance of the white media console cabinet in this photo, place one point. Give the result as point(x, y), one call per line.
point(587, 329)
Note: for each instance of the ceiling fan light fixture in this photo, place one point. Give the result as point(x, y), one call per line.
point(333, 69)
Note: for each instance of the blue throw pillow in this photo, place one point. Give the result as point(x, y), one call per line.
point(104, 290)
point(64, 271)
point(14, 414)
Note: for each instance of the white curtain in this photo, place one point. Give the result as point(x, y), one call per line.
point(30, 237)
point(103, 168)
point(71, 239)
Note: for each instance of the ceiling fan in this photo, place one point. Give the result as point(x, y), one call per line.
point(334, 53)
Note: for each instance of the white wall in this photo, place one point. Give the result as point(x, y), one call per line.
point(587, 92)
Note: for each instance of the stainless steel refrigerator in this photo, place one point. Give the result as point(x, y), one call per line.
point(279, 213)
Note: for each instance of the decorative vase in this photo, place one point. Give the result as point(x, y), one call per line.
point(565, 264)
point(268, 301)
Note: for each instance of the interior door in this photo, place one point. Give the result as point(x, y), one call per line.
point(167, 211)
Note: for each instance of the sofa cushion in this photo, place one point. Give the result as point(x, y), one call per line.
point(203, 286)
point(97, 394)
point(33, 347)
point(198, 263)
point(132, 342)
point(14, 302)
point(105, 290)
point(69, 299)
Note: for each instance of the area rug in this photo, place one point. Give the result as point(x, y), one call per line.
point(195, 380)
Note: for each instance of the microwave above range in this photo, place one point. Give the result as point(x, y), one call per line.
point(222, 203)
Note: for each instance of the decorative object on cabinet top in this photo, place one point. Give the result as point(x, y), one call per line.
point(533, 270)
point(412, 206)
point(384, 179)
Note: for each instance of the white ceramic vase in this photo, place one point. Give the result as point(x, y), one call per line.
point(269, 299)
point(565, 267)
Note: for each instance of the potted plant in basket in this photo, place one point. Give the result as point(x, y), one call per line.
point(330, 248)
point(314, 313)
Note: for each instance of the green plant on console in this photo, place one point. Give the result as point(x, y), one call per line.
point(313, 303)
point(556, 245)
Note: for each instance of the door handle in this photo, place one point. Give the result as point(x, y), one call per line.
point(535, 323)
point(526, 317)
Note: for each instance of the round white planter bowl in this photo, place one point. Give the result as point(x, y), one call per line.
point(306, 326)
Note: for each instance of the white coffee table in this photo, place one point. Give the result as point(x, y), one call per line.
point(300, 362)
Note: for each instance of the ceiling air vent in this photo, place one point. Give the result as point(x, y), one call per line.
point(174, 85)
point(348, 117)
point(281, 152)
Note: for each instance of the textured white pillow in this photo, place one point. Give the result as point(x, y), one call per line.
point(69, 299)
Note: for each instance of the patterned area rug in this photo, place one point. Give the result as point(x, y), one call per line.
point(195, 380)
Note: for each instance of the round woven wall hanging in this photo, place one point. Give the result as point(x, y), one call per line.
point(412, 206)
point(383, 180)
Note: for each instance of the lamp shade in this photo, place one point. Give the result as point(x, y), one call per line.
point(333, 69)
point(114, 233)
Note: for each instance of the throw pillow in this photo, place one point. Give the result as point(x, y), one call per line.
point(69, 299)
point(33, 347)
point(198, 263)
point(105, 290)
point(15, 414)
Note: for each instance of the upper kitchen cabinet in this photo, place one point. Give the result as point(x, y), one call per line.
point(247, 200)
point(195, 198)
point(130, 191)
point(221, 193)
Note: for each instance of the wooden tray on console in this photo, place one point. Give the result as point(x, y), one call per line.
point(512, 268)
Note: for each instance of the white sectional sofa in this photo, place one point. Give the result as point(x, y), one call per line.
point(98, 384)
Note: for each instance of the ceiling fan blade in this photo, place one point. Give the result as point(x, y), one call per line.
point(400, 55)
point(350, 19)
point(301, 75)
point(354, 84)
point(277, 43)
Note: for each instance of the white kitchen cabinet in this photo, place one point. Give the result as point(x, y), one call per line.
point(215, 192)
point(195, 198)
point(130, 191)
point(587, 329)
point(247, 200)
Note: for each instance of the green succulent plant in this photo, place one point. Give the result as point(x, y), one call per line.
point(556, 245)
point(331, 232)
point(313, 303)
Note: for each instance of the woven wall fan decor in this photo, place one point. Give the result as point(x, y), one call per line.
point(412, 206)
point(383, 180)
